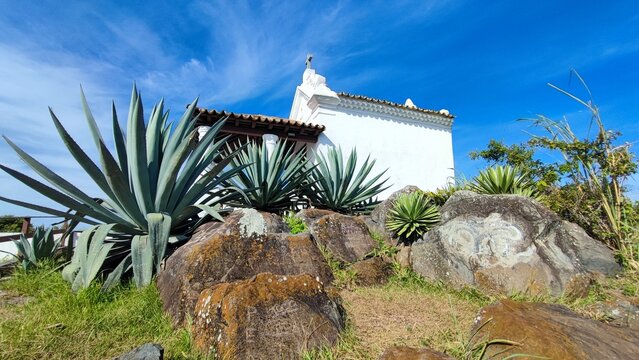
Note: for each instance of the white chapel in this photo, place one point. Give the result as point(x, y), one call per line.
point(413, 143)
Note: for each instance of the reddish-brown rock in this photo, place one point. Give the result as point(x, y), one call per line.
point(267, 317)
point(552, 331)
point(248, 243)
point(346, 237)
point(409, 353)
point(373, 271)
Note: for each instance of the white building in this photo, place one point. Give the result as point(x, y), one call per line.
point(414, 144)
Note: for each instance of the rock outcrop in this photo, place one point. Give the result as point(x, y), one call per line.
point(346, 237)
point(508, 243)
point(267, 317)
point(247, 243)
point(409, 353)
point(551, 331)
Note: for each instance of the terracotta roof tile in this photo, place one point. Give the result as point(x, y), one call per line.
point(262, 119)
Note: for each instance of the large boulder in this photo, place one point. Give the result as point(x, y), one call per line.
point(345, 237)
point(377, 219)
point(267, 317)
point(409, 353)
point(551, 331)
point(509, 243)
point(247, 243)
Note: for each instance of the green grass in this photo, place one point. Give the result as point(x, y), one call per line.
point(58, 324)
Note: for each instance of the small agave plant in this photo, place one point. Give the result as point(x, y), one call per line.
point(412, 215)
point(42, 247)
point(504, 180)
point(161, 178)
point(344, 188)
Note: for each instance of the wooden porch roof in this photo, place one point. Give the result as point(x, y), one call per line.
point(257, 125)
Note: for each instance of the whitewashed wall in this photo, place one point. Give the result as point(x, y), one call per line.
point(415, 146)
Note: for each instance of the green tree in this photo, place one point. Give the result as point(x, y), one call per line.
point(9, 223)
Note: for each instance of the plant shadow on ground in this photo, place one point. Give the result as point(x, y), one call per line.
point(58, 324)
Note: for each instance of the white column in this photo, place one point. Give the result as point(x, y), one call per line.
point(269, 140)
point(201, 131)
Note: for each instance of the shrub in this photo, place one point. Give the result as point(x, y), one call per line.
point(42, 247)
point(503, 180)
point(345, 189)
point(271, 182)
point(160, 179)
point(441, 195)
point(12, 224)
point(411, 216)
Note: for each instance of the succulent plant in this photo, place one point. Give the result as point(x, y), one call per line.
point(156, 185)
point(412, 215)
point(271, 181)
point(345, 189)
point(504, 180)
point(42, 246)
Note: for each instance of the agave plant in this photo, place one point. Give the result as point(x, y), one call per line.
point(271, 181)
point(43, 246)
point(161, 178)
point(504, 180)
point(342, 188)
point(412, 215)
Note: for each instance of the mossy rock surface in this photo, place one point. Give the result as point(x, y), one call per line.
point(267, 317)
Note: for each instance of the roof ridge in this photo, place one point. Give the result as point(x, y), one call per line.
point(394, 104)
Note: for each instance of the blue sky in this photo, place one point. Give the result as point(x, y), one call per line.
point(487, 62)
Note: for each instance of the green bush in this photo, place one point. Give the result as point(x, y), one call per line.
point(12, 224)
point(441, 195)
point(345, 188)
point(411, 216)
point(153, 184)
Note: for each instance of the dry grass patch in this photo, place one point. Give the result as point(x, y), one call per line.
point(397, 315)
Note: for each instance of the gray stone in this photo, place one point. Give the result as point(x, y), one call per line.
point(144, 352)
point(346, 237)
point(508, 243)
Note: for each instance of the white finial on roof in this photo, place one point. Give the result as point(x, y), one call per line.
point(444, 112)
point(409, 103)
point(309, 58)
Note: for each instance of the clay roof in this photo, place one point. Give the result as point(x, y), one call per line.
point(393, 104)
point(255, 124)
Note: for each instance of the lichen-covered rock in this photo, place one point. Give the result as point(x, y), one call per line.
point(409, 353)
point(377, 222)
point(345, 237)
point(247, 243)
point(267, 317)
point(508, 243)
point(551, 331)
point(373, 271)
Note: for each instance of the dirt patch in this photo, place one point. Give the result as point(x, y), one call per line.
point(386, 316)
